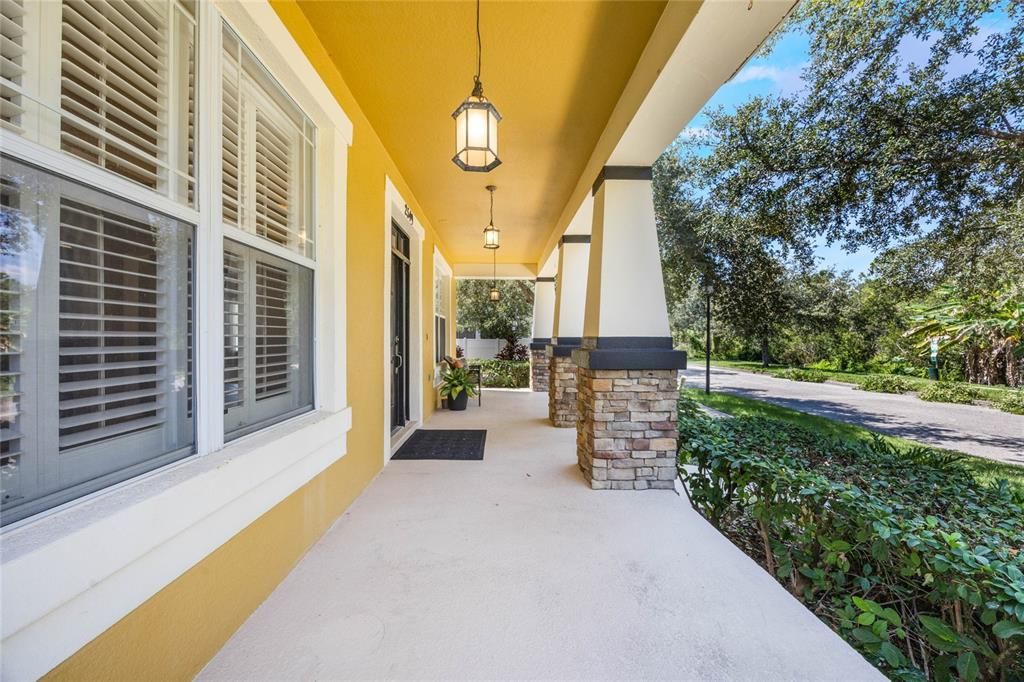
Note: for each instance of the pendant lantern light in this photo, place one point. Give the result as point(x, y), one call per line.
point(495, 295)
point(476, 123)
point(491, 233)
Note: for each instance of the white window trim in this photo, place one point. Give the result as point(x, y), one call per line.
point(440, 263)
point(131, 540)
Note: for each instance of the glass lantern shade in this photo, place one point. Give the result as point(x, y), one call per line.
point(491, 237)
point(495, 295)
point(476, 135)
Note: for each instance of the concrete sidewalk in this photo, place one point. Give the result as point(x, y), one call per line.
point(511, 567)
point(973, 429)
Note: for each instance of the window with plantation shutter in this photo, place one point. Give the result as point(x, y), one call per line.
point(102, 287)
point(120, 79)
point(12, 63)
point(268, 150)
point(267, 339)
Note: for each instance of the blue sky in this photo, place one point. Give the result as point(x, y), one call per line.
point(779, 73)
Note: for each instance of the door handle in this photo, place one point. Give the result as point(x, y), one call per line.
point(401, 362)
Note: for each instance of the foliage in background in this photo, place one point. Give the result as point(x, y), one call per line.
point(503, 373)
point(918, 567)
point(513, 351)
point(511, 318)
point(920, 158)
point(987, 327)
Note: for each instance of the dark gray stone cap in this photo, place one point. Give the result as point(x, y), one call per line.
point(629, 352)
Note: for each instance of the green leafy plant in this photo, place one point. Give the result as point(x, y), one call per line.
point(946, 392)
point(799, 374)
point(456, 380)
point(916, 564)
point(1012, 402)
point(504, 373)
point(886, 383)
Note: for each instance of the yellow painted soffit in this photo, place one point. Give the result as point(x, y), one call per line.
point(555, 70)
point(672, 25)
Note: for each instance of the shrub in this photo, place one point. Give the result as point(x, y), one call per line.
point(798, 374)
point(1012, 402)
point(687, 405)
point(918, 566)
point(946, 392)
point(504, 373)
point(515, 352)
point(885, 383)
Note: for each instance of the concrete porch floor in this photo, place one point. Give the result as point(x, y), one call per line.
point(512, 568)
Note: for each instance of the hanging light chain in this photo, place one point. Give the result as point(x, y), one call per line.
point(478, 86)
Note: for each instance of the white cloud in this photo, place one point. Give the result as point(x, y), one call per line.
point(786, 79)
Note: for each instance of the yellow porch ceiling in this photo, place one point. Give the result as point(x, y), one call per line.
point(554, 69)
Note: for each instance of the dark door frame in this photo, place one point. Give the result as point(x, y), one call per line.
point(400, 341)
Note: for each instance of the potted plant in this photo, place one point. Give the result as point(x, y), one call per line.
point(457, 386)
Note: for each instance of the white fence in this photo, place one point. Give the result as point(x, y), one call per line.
point(484, 349)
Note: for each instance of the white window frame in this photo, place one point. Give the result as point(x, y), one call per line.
point(155, 527)
point(441, 266)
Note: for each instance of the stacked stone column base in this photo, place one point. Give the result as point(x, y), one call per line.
point(627, 430)
point(540, 370)
point(562, 391)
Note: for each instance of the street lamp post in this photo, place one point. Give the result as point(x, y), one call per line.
point(709, 289)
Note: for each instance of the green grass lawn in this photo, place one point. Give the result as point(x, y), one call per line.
point(985, 470)
point(992, 393)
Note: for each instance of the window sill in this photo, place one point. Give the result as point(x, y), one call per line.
point(69, 575)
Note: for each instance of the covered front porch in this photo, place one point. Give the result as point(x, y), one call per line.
point(511, 567)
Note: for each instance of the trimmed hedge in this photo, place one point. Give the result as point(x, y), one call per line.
point(799, 374)
point(504, 373)
point(900, 551)
point(946, 392)
point(886, 383)
point(1013, 402)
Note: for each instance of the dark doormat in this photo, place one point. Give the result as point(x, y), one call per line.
point(460, 444)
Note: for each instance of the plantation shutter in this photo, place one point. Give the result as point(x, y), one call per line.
point(12, 67)
point(231, 143)
point(114, 84)
point(275, 330)
point(113, 338)
point(273, 180)
point(268, 352)
point(234, 327)
point(267, 154)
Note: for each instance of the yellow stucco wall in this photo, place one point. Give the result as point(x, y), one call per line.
point(174, 634)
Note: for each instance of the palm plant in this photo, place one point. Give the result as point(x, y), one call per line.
point(990, 329)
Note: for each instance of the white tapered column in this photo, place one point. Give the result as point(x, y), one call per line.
point(627, 383)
